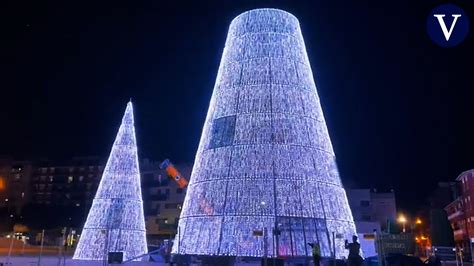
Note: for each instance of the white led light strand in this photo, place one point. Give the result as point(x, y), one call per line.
point(265, 159)
point(116, 222)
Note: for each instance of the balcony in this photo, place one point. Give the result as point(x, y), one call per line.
point(454, 215)
point(458, 232)
point(459, 235)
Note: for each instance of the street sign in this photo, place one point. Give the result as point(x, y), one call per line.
point(396, 243)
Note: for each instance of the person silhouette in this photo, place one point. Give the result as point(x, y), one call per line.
point(354, 258)
point(316, 251)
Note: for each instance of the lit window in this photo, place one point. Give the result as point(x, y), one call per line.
point(81, 178)
point(51, 178)
point(70, 179)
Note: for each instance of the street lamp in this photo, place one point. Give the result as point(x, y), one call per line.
point(403, 220)
point(418, 221)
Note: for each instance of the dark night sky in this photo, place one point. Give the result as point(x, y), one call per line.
point(399, 109)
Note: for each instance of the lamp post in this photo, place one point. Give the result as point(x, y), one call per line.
point(403, 220)
point(262, 205)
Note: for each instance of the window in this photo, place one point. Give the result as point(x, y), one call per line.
point(172, 206)
point(51, 178)
point(364, 203)
point(70, 179)
point(161, 221)
point(81, 178)
point(157, 178)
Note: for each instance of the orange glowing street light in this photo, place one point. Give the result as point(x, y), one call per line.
point(418, 221)
point(403, 220)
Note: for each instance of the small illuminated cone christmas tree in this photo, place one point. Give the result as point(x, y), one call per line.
point(116, 222)
point(265, 160)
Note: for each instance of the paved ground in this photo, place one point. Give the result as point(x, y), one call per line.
point(56, 261)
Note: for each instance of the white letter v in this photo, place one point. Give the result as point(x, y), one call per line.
point(447, 34)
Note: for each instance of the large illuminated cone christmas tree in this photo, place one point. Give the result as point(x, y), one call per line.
point(116, 222)
point(265, 159)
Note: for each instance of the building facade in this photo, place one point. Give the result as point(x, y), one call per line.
point(53, 193)
point(461, 212)
point(163, 199)
point(62, 192)
point(15, 190)
point(443, 194)
point(369, 206)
